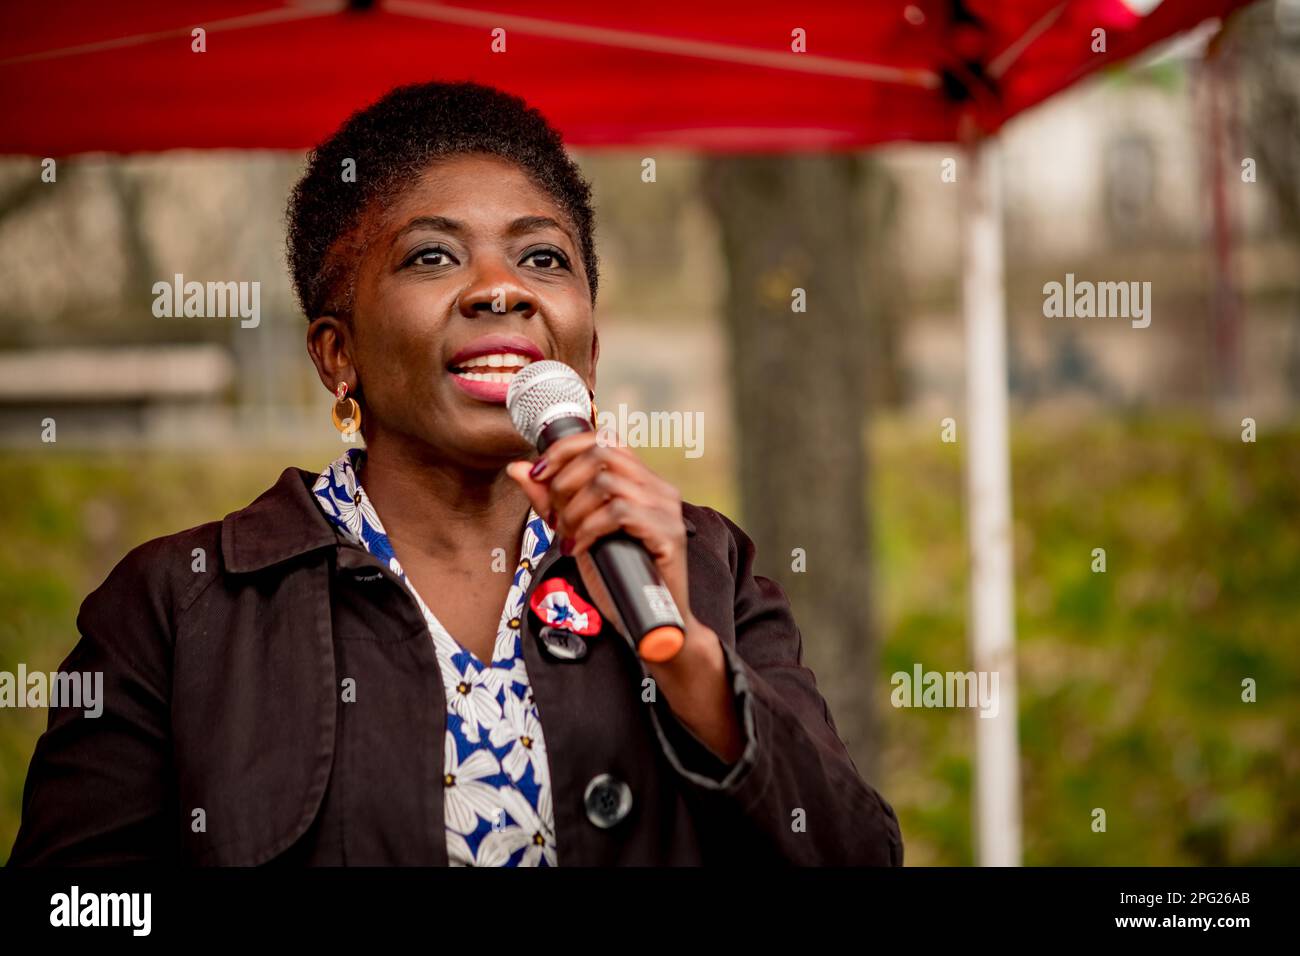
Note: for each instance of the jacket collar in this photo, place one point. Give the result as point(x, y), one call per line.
point(282, 523)
point(285, 522)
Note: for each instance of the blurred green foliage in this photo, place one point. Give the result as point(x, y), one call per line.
point(1130, 681)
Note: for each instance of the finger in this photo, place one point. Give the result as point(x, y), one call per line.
point(580, 471)
point(538, 493)
point(603, 487)
point(571, 446)
point(645, 524)
point(563, 451)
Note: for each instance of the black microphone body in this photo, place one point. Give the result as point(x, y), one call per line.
point(628, 572)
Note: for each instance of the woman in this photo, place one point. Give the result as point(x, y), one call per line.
point(341, 673)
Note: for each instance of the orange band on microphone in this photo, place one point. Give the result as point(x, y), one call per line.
point(661, 644)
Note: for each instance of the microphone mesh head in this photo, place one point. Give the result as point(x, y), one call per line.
point(541, 393)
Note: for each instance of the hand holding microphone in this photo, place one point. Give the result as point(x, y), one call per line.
point(622, 522)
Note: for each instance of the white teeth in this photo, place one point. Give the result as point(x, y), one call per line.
point(504, 377)
point(497, 360)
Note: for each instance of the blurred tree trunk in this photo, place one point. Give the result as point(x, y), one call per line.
point(1265, 46)
point(800, 386)
point(131, 189)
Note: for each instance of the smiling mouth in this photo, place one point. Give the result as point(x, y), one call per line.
point(495, 367)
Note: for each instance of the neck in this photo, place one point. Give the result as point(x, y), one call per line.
point(442, 509)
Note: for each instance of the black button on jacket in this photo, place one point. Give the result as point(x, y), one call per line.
point(226, 738)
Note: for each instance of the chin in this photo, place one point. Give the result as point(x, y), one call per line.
point(491, 447)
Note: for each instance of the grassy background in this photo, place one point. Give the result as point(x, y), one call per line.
point(1130, 693)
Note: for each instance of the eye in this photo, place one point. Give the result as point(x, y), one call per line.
point(551, 259)
point(428, 256)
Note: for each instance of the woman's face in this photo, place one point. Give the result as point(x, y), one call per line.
point(471, 273)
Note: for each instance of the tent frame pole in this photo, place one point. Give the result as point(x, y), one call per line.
point(988, 501)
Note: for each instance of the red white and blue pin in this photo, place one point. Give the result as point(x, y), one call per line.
point(566, 619)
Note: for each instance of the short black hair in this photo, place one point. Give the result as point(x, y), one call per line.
point(391, 142)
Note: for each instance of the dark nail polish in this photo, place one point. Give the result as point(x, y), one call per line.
point(537, 468)
point(566, 546)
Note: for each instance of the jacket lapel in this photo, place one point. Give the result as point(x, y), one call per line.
point(282, 523)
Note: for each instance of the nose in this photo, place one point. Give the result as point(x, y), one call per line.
point(496, 289)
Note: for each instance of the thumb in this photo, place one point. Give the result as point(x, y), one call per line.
point(538, 494)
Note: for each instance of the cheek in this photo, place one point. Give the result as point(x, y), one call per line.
point(394, 373)
point(398, 339)
point(574, 339)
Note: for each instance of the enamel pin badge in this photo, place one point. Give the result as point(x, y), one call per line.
point(567, 619)
point(557, 603)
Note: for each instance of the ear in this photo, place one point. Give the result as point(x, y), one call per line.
point(329, 342)
point(595, 355)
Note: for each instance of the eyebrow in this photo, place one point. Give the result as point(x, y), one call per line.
point(521, 226)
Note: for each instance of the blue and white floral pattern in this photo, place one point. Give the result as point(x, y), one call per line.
point(496, 780)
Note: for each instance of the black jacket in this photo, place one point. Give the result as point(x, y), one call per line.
point(225, 738)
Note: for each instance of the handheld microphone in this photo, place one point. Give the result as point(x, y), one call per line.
point(548, 401)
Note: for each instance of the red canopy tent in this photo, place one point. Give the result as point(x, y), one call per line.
point(81, 75)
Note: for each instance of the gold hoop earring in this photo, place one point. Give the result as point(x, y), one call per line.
point(594, 426)
point(346, 413)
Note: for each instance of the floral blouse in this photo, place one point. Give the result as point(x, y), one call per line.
point(496, 780)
